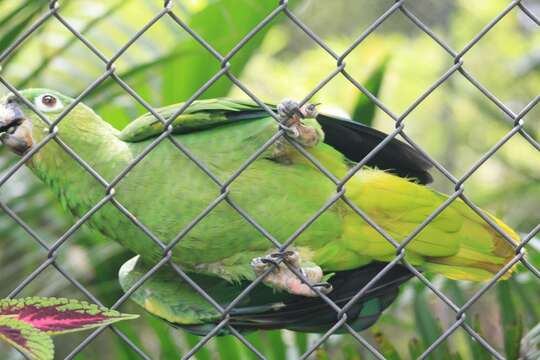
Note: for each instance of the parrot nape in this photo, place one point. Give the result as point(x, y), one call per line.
point(338, 252)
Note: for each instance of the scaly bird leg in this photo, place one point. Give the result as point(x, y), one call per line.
point(283, 278)
point(291, 115)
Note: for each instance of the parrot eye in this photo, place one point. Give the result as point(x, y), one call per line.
point(48, 100)
point(48, 103)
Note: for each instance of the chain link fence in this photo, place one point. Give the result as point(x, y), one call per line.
point(516, 120)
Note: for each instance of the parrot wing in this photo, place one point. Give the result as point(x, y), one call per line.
point(165, 295)
point(352, 139)
point(355, 141)
point(200, 115)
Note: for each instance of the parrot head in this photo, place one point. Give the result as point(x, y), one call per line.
point(21, 128)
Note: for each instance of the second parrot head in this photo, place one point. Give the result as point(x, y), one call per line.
point(21, 127)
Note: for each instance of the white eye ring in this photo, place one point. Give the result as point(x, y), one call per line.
point(48, 103)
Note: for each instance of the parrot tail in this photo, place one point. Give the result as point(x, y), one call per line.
point(314, 315)
point(458, 243)
point(168, 297)
point(471, 263)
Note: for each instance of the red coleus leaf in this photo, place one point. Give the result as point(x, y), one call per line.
point(33, 343)
point(57, 316)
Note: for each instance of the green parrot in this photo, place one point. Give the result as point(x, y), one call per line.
point(337, 254)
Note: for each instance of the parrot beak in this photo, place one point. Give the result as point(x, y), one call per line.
point(15, 128)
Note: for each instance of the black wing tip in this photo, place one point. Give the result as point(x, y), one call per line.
point(356, 140)
point(314, 315)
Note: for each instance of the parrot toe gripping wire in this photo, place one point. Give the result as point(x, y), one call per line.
point(281, 277)
point(291, 114)
point(292, 117)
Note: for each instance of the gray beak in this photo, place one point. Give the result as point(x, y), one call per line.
point(15, 128)
point(10, 116)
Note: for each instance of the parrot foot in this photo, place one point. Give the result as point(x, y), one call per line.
point(291, 115)
point(283, 278)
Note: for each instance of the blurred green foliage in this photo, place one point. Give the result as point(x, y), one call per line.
point(456, 124)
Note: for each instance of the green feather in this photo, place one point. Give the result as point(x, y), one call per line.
point(166, 191)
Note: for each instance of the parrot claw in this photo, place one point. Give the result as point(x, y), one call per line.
point(290, 112)
point(291, 115)
point(281, 277)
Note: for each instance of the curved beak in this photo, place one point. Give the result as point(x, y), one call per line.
point(15, 128)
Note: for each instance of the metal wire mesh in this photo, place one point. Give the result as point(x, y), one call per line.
point(282, 7)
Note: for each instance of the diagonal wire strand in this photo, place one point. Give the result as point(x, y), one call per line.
point(282, 7)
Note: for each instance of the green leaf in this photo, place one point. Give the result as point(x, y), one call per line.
point(459, 298)
point(525, 294)
point(511, 320)
point(44, 63)
point(202, 353)
point(428, 327)
point(256, 340)
point(229, 347)
point(188, 65)
point(33, 343)
point(269, 343)
point(301, 342)
point(168, 348)
point(184, 68)
point(130, 76)
point(23, 15)
point(364, 109)
point(57, 316)
point(222, 24)
point(276, 345)
point(481, 353)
